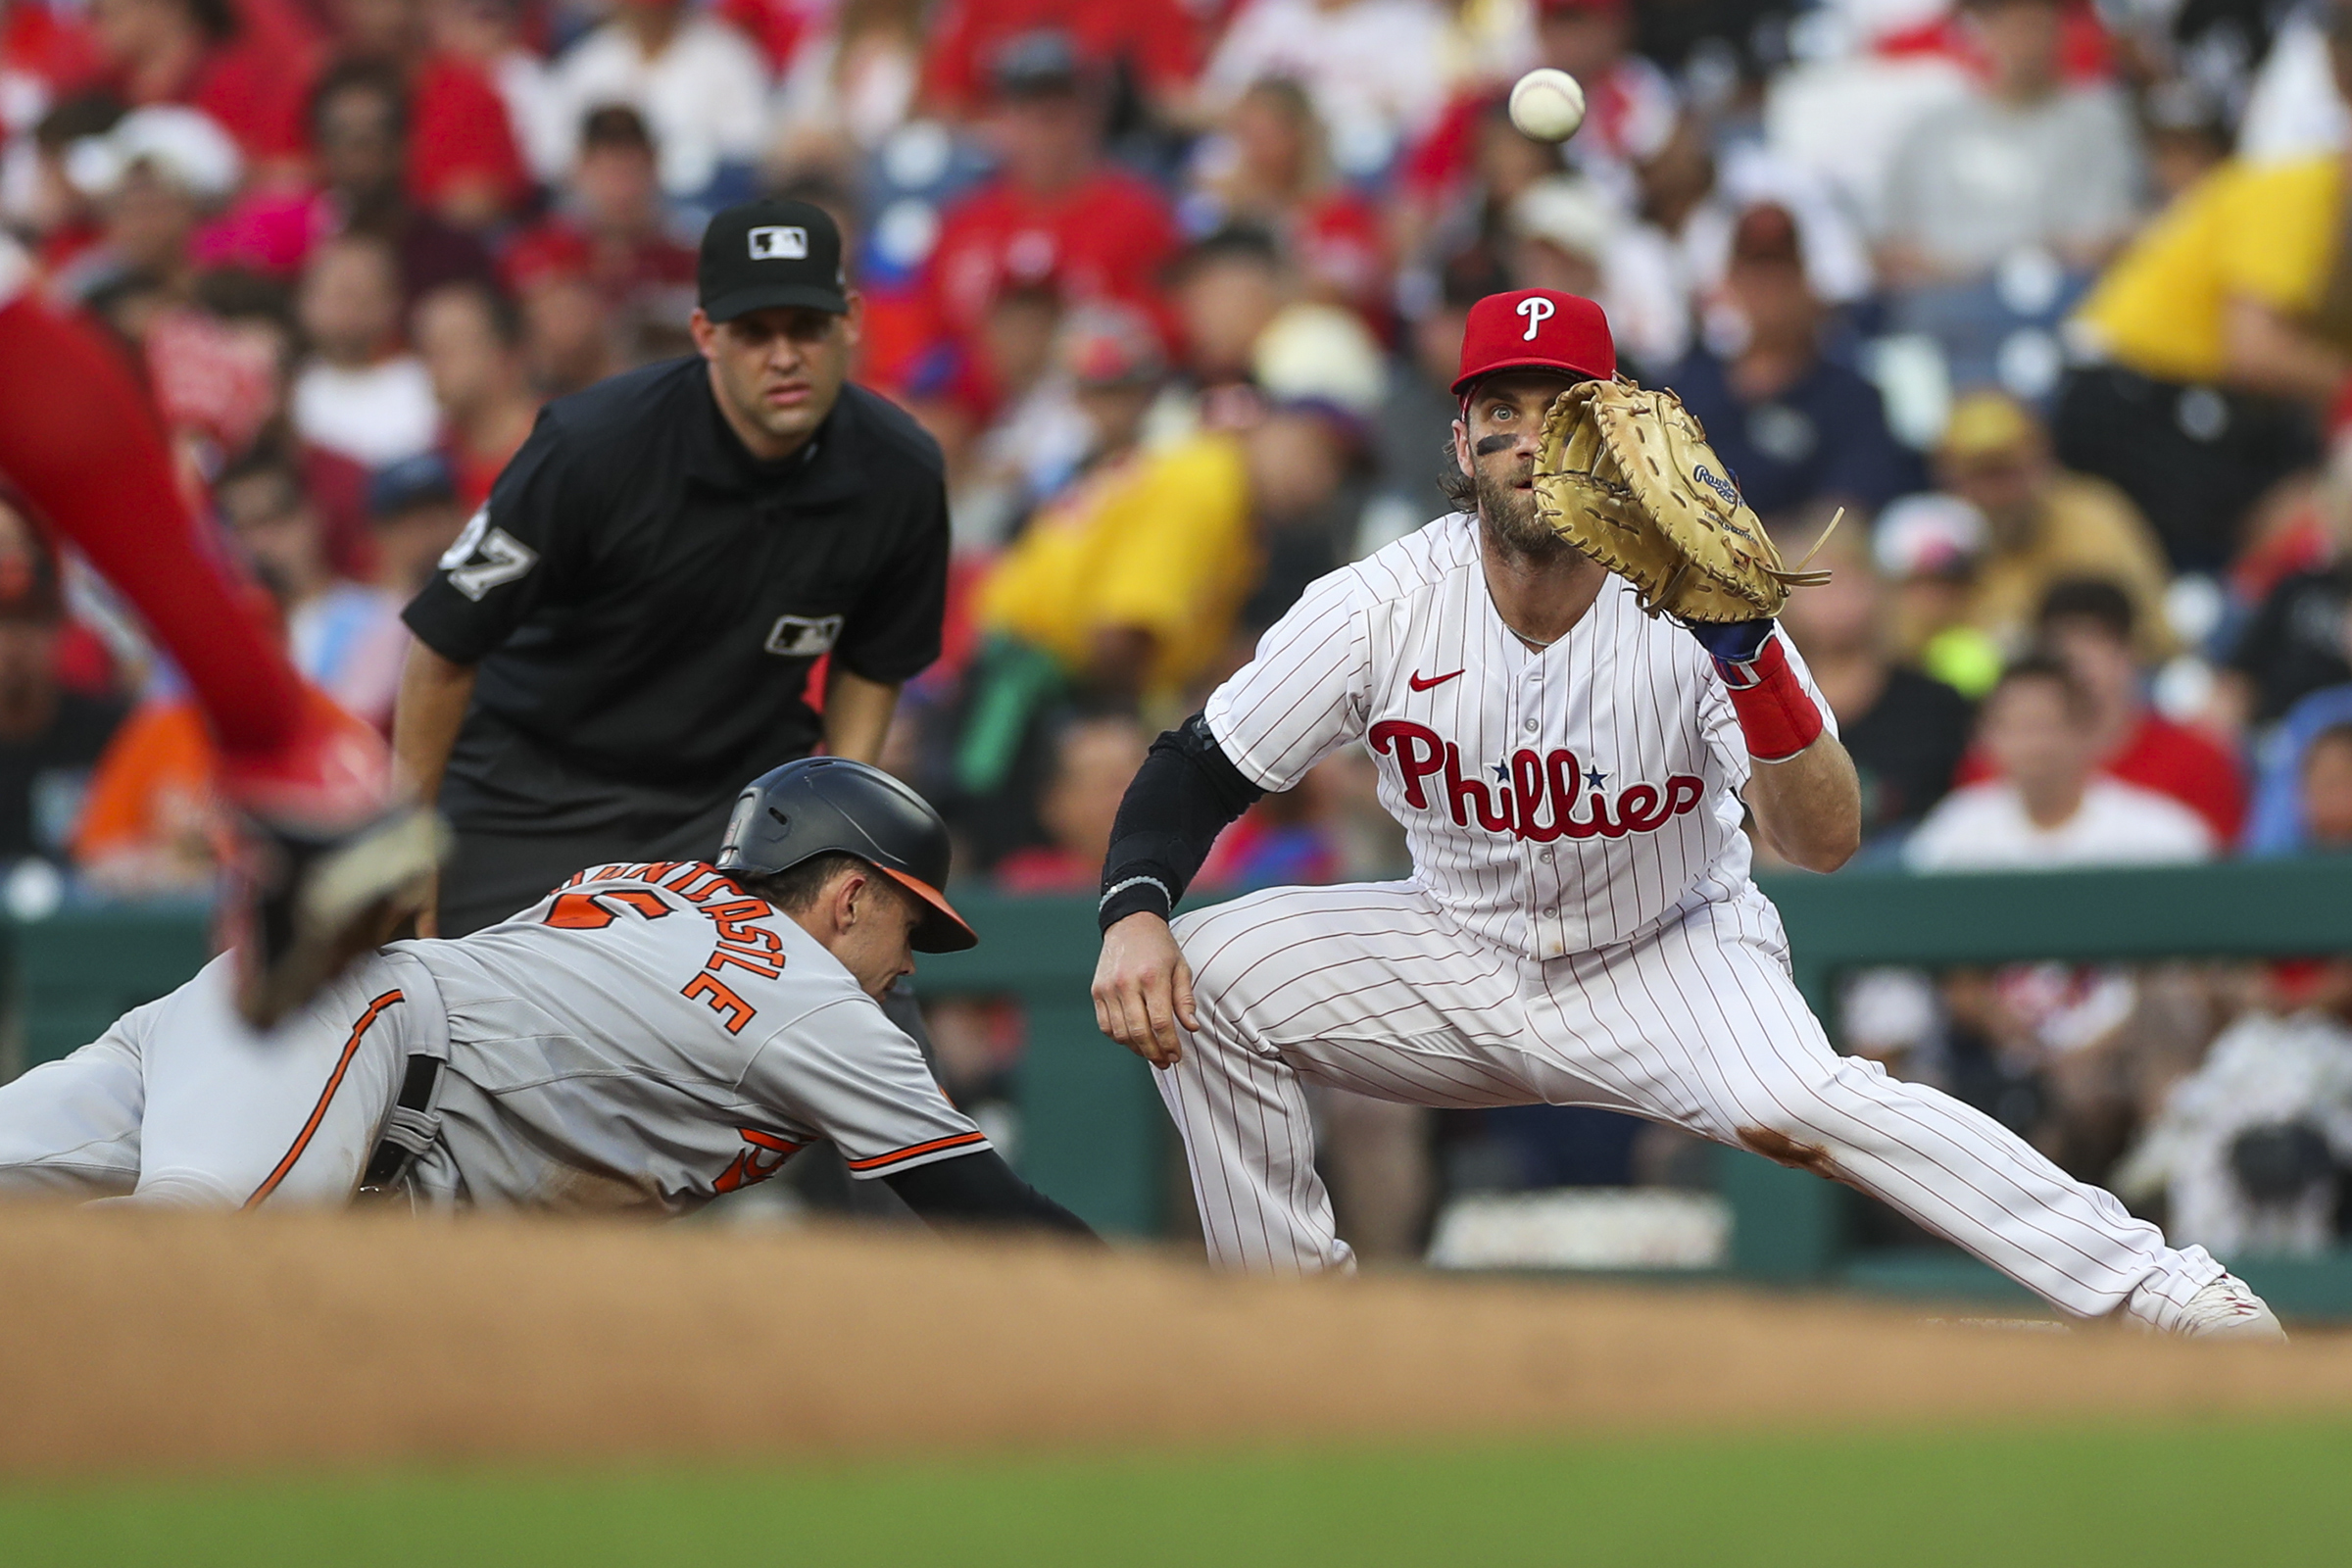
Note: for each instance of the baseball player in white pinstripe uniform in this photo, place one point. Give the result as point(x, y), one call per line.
point(1580, 927)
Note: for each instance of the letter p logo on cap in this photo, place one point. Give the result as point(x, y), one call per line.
point(780, 244)
point(1537, 310)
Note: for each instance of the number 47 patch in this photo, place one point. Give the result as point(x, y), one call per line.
point(504, 557)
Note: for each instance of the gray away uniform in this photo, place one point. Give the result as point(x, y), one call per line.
point(646, 1038)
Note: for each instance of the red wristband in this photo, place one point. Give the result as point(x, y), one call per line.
point(1777, 715)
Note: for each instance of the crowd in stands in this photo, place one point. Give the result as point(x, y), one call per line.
point(2054, 297)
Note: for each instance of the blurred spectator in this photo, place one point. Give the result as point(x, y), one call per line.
point(415, 514)
point(2299, 642)
point(1225, 291)
point(848, 85)
point(345, 638)
point(1055, 212)
point(1415, 440)
point(361, 133)
point(1695, 192)
point(152, 181)
point(50, 736)
point(2027, 162)
point(489, 36)
point(2044, 525)
point(2216, 335)
point(1094, 759)
point(1369, 66)
point(366, 135)
point(1927, 547)
point(1131, 581)
point(2086, 623)
point(1905, 730)
point(56, 219)
point(154, 824)
point(2187, 135)
point(1083, 410)
point(204, 54)
point(1630, 106)
point(2300, 802)
point(1273, 169)
point(2046, 805)
point(570, 339)
point(465, 158)
point(613, 222)
point(360, 393)
point(1155, 44)
point(700, 85)
point(470, 339)
point(2248, 1150)
point(1571, 237)
point(1285, 839)
point(1797, 427)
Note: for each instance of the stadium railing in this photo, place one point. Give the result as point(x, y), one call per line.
point(1092, 1132)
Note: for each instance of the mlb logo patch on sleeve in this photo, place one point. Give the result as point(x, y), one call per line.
point(779, 243)
point(803, 636)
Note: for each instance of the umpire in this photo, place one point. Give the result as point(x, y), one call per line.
point(625, 632)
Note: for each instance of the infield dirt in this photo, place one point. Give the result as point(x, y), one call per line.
point(145, 1342)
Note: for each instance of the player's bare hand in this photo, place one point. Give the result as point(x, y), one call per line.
point(1143, 989)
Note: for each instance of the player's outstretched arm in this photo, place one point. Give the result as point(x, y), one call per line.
point(1804, 788)
point(1187, 792)
point(1809, 808)
point(980, 1189)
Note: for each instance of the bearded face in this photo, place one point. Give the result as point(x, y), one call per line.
point(1498, 444)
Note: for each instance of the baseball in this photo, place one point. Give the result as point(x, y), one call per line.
point(1547, 105)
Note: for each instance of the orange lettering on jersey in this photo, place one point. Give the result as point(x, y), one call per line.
point(645, 901)
point(715, 994)
point(763, 965)
point(578, 911)
point(763, 1158)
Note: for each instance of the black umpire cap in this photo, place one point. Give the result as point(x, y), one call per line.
point(771, 252)
point(820, 804)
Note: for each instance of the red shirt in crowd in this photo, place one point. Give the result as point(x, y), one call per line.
point(1106, 237)
point(47, 46)
point(2172, 760)
point(461, 135)
point(1158, 38)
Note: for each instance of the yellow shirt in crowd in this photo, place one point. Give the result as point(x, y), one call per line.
point(1163, 541)
point(2266, 232)
point(2085, 528)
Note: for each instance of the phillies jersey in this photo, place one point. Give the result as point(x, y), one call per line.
point(654, 1036)
point(1555, 800)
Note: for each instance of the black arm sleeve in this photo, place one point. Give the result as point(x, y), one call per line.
point(980, 1189)
point(1187, 792)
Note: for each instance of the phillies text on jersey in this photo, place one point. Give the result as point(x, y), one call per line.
point(1557, 799)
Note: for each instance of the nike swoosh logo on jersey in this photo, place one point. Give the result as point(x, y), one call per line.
point(1420, 683)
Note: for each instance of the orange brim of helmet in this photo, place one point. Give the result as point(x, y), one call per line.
point(942, 930)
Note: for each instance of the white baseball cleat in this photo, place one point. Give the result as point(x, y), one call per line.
point(2228, 1309)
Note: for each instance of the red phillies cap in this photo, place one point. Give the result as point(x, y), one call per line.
point(1537, 329)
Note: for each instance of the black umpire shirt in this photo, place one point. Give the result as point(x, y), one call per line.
point(643, 601)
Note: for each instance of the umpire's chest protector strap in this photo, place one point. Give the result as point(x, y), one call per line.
point(1187, 792)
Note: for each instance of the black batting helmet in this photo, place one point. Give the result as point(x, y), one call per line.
point(823, 804)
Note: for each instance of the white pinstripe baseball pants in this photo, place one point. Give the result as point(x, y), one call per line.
point(1369, 988)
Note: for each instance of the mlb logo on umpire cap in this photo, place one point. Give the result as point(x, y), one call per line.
point(769, 255)
point(777, 242)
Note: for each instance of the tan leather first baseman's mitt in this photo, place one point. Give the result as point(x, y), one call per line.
point(1627, 476)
